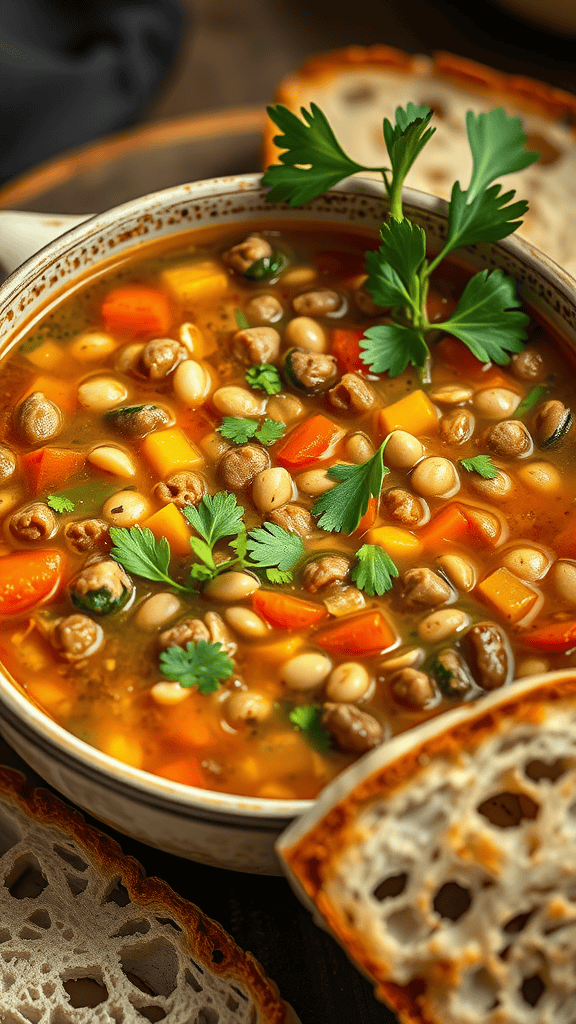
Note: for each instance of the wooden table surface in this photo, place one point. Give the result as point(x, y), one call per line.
point(234, 55)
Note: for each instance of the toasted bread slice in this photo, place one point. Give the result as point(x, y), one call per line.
point(357, 87)
point(445, 861)
point(86, 938)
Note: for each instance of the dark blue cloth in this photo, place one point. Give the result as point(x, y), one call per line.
point(73, 70)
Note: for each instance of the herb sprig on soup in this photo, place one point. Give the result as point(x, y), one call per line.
point(269, 499)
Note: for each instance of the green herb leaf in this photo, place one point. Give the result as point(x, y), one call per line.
point(138, 551)
point(202, 665)
point(270, 431)
point(90, 496)
point(271, 545)
point(279, 576)
point(388, 348)
point(487, 318)
point(531, 399)
point(341, 508)
point(392, 271)
point(241, 321)
point(481, 464)
point(267, 267)
point(215, 517)
point(59, 503)
point(307, 719)
point(373, 570)
point(238, 429)
point(265, 377)
point(313, 162)
point(404, 141)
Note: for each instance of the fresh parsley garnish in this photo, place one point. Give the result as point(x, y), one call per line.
point(215, 517)
point(59, 503)
point(531, 399)
point(202, 665)
point(239, 430)
point(481, 464)
point(307, 719)
point(275, 550)
point(487, 319)
point(241, 320)
point(373, 570)
point(264, 377)
point(341, 508)
point(138, 551)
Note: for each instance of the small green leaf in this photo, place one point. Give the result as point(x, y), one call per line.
point(59, 503)
point(241, 320)
point(267, 268)
point(389, 348)
point(307, 718)
point(531, 399)
point(270, 431)
point(341, 508)
point(481, 464)
point(392, 271)
point(265, 377)
point(215, 517)
point(201, 664)
point(278, 576)
point(272, 546)
point(238, 429)
point(374, 570)
point(138, 551)
point(488, 319)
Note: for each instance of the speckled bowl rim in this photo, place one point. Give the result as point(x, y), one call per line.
point(542, 283)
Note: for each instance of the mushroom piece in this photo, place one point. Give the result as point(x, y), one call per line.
point(242, 256)
point(456, 427)
point(35, 522)
point(351, 394)
point(451, 673)
point(552, 424)
point(295, 519)
point(160, 357)
point(187, 488)
point(86, 535)
point(135, 421)
point(412, 688)
point(7, 463)
point(509, 439)
point(404, 507)
point(527, 365)
point(310, 372)
point(325, 571)
point(38, 419)
point(424, 588)
point(256, 344)
point(101, 588)
point(189, 630)
point(319, 302)
point(353, 730)
point(238, 466)
point(77, 636)
point(488, 654)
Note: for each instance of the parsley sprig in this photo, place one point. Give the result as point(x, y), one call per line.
point(201, 664)
point(239, 430)
point(487, 318)
point(276, 551)
point(481, 464)
point(341, 508)
point(264, 377)
point(60, 503)
point(373, 570)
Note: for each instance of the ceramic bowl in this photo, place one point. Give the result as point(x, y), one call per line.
point(215, 828)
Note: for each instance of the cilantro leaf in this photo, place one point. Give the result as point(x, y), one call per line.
point(215, 517)
point(404, 141)
point(307, 718)
point(388, 348)
point(202, 665)
point(373, 570)
point(241, 320)
point(271, 545)
point(279, 575)
point(531, 399)
point(313, 162)
point(481, 464)
point(393, 270)
point(487, 318)
point(59, 503)
point(238, 429)
point(341, 508)
point(265, 377)
point(138, 551)
point(270, 431)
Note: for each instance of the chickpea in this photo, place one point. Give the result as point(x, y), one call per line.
point(348, 683)
point(441, 624)
point(435, 477)
point(272, 488)
point(236, 401)
point(303, 332)
point(509, 439)
point(246, 622)
point(156, 611)
point(456, 426)
point(358, 447)
point(248, 706)
point(284, 408)
point(126, 508)
point(314, 482)
point(529, 563)
point(101, 393)
point(498, 489)
point(496, 403)
point(231, 586)
point(191, 383)
point(214, 445)
point(541, 477)
point(563, 575)
point(402, 450)
point(460, 571)
point(305, 671)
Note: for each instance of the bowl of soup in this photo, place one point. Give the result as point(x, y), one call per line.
point(186, 653)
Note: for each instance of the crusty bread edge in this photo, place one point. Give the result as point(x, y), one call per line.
point(236, 966)
point(528, 94)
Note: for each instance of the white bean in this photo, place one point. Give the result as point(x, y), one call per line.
point(297, 277)
point(460, 571)
point(402, 450)
point(192, 383)
point(92, 347)
point(496, 403)
point(441, 624)
point(527, 562)
point(412, 658)
point(305, 671)
point(248, 706)
point(304, 332)
point(101, 393)
point(246, 622)
point(284, 408)
point(126, 508)
point(272, 488)
point(128, 356)
point(231, 586)
point(236, 401)
point(169, 693)
point(348, 682)
point(112, 460)
point(314, 481)
point(359, 448)
point(214, 445)
point(192, 338)
point(563, 574)
point(541, 477)
point(156, 611)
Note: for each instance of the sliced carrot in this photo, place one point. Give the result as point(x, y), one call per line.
point(414, 413)
point(369, 633)
point(169, 522)
point(287, 612)
point(136, 309)
point(345, 345)
point(553, 637)
point(449, 526)
point(186, 770)
point(510, 596)
point(313, 439)
point(27, 578)
point(47, 468)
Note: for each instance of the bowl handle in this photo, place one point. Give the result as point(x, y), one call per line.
point(22, 233)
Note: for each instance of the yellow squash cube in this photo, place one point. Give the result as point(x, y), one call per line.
point(195, 282)
point(169, 451)
point(512, 597)
point(170, 523)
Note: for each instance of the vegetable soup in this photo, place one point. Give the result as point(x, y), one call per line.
point(233, 555)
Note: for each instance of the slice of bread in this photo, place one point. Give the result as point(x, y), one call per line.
point(445, 861)
point(357, 87)
point(85, 938)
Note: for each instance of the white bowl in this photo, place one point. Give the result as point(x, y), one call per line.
point(215, 828)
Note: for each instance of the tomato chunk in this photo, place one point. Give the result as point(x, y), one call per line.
point(287, 612)
point(367, 634)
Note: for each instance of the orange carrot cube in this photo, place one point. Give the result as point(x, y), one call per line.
point(510, 596)
point(414, 413)
point(170, 450)
point(170, 523)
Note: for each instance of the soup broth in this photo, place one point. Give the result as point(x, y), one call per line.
point(231, 365)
